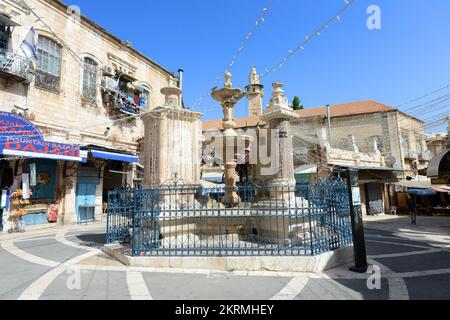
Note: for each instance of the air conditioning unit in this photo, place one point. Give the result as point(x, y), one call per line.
point(108, 71)
point(109, 84)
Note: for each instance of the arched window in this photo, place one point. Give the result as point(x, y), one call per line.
point(145, 98)
point(48, 73)
point(90, 80)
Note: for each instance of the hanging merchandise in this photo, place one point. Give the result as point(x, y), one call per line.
point(26, 186)
point(32, 174)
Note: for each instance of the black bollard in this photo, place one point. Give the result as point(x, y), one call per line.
point(359, 243)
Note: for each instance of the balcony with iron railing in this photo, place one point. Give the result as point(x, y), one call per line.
point(125, 105)
point(15, 67)
point(120, 102)
point(47, 81)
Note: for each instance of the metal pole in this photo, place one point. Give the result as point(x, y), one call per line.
point(359, 244)
point(329, 123)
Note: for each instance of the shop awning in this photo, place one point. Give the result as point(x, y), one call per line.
point(41, 154)
point(441, 189)
point(367, 168)
point(114, 156)
point(415, 184)
point(422, 192)
point(424, 185)
point(440, 165)
point(21, 138)
point(4, 20)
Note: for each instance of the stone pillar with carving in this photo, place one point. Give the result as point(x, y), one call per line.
point(272, 222)
point(278, 116)
point(171, 143)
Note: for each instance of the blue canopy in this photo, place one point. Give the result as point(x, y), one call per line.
point(114, 156)
point(422, 192)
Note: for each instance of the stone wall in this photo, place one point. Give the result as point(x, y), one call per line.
point(357, 134)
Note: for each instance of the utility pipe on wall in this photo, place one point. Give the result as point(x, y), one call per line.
point(180, 85)
point(329, 123)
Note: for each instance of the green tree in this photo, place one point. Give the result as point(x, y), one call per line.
point(296, 104)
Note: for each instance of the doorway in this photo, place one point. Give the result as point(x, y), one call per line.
point(87, 181)
point(374, 199)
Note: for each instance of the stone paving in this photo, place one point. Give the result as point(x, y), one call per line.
point(67, 263)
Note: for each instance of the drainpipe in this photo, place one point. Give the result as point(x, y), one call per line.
point(180, 85)
point(329, 123)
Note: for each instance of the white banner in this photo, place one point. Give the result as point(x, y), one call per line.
point(3, 201)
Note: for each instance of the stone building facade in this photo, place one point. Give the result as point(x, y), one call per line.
point(87, 89)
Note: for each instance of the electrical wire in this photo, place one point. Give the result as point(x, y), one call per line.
point(249, 36)
point(301, 46)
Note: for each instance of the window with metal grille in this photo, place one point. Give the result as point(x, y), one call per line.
point(48, 72)
point(90, 80)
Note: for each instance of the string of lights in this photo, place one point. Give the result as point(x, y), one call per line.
point(317, 33)
point(239, 51)
point(301, 46)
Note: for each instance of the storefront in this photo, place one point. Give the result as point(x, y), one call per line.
point(105, 170)
point(29, 176)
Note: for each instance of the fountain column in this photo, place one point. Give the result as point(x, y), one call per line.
point(273, 221)
point(172, 140)
point(278, 116)
point(228, 97)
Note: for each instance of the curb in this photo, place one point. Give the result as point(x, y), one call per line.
point(314, 264)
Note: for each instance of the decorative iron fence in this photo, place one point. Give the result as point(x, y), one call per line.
point(194, 221)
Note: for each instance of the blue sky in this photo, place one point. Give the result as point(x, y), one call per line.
point(407, 58)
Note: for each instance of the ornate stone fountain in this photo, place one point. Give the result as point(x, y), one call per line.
point(230, 144)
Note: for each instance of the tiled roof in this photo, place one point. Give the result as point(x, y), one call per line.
point(337, 110)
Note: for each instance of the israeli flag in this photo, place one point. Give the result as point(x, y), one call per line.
point(30, 44)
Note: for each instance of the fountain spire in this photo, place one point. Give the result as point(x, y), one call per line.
point(228, 97)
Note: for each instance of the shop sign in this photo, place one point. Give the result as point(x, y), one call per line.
point(20, 137)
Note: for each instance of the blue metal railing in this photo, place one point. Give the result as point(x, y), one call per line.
point(282, 220)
